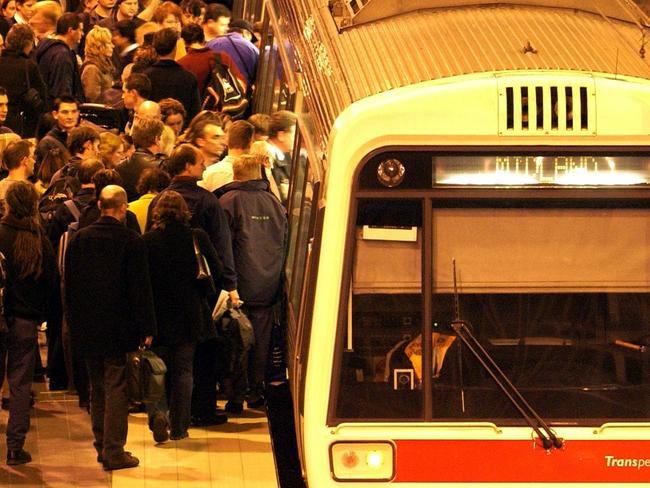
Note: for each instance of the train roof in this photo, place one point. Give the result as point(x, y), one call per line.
point(355, 12)
point(442, 39)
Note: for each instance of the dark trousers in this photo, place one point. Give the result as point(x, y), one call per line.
point(204, 396)
point(109, 404)
point(177, 399)
point(254, 365)
point(21, 346)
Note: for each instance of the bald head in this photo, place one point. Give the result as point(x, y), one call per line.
point(112, 202)
point(149, 110)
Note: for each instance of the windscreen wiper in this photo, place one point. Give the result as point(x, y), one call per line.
point(464, 332)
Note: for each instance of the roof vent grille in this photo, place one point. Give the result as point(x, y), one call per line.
point(546, 109)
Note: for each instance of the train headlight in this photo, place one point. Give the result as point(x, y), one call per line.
point(358, 461)
point(390, 172)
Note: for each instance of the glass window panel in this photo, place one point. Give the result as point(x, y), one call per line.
point(295, 206)
point(559, 298)
point(306, 197)
point(381, 366)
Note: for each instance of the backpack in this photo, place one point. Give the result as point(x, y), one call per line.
point(66, 237)
point(59, 191)
point(225, 93)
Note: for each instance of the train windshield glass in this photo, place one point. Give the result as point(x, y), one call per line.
point(559, 296)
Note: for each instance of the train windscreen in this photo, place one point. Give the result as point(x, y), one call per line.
point(559, 297)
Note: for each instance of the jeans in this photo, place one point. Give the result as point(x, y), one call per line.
point(21, 346)
point(109, 404)
point(177, 399)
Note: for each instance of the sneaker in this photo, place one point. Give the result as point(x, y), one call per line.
point(160, 428)
point(259, 403)
point(18, 456)
point(127, 461)
point(234, 407)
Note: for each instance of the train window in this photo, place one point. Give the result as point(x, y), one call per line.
point(273, 88)
point(559, 297)
point(295, 202)
point(306, 197)
point(380, 371)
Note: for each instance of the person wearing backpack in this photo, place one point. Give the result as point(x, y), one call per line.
point(200, 60)
point(32, 296)
point(83, 143)
point(64, 216)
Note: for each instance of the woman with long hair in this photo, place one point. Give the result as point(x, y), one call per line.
point(183, 314)
point(18, 73)
point(31, 297)
point(97, 71)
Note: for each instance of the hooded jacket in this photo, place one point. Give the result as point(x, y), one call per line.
point(58, 65)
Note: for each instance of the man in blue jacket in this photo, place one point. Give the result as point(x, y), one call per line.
point(258, 224)
point(57, 61)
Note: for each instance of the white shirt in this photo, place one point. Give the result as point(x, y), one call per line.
point(218, 174)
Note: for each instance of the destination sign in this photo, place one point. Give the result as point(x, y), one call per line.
point(558, 170)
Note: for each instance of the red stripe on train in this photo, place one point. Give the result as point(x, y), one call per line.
point(522, 461)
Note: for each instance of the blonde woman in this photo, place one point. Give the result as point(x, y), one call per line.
point(111, 149)
point(98, 71)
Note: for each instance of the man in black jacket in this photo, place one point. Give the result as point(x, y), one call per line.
point(66, 115)
point(146, 135)
point(58, 62)
point(168, 78)
point(110, 310)
point(258, 225)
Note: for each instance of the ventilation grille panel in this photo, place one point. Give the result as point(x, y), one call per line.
point(547, 108)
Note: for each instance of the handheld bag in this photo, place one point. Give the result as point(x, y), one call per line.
point(145, 373)
point(203, 275)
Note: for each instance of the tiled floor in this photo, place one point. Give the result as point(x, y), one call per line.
point(234, 455)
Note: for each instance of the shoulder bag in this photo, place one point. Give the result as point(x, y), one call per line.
point(203, 276)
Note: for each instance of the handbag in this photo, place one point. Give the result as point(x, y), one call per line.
point(203, 276)
point(31, 98)
point(145, 374)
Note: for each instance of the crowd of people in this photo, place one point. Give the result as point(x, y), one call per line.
point(104, 228)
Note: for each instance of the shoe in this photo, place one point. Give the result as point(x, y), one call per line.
point(100, 458)
point(160, 428)
point(179, 437)
point(214, 419)
point(127, 461)
point(18, 456)
point(259, 403)
point(234, 407)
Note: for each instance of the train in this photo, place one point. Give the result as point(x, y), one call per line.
point(468, 270)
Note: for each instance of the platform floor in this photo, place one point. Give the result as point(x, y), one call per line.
point(234, 455)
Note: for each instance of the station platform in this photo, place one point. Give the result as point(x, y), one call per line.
point(234, 455)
